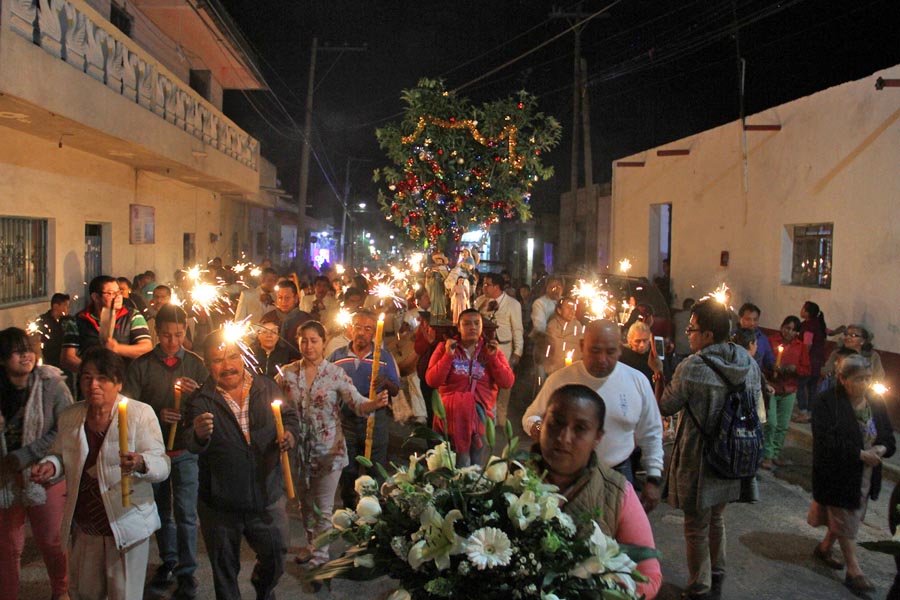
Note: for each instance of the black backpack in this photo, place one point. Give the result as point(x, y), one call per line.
point(735, 449)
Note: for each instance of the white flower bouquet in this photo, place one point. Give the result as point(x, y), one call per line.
point(495, 532)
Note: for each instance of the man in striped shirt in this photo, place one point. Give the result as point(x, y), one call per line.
point(356, 359)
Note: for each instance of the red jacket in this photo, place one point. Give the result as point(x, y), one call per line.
point(450, 373)
point(795, 353)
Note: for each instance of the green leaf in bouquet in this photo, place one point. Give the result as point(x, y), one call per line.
point(327, 538)
point(509, 429)
point(422, 432)
point(381, 471)
point(638, 553)
point(364, 461)
point(490, 433)
point(883, 546)
point(438, 405)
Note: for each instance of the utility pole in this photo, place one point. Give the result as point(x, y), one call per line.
point(304, 155)
point(580, 108)
point(307, 135)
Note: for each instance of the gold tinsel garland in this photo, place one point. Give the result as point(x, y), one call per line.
point(509, 134)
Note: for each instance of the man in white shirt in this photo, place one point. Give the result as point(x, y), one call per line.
point(632, 416)
point(542, 310)
point(505, 312)
point(258, 301)
point(320, 305)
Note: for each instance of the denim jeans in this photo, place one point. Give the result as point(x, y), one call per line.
point(176, 501)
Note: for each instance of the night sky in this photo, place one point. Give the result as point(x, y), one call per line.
point(658, 70)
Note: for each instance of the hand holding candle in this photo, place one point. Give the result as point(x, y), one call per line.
point(123, 449)
point(285, 461)
point(569, 356)
point(376, 363)
point(177, 407)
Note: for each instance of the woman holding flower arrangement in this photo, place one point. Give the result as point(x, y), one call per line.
point(573, 426)
point(316, 388)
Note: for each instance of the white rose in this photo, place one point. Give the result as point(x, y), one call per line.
point(368, 508)
point(365, 486)
point(343, 519)
point(400, 594)
point(497, 470)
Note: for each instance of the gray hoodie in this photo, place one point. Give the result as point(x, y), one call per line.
point(690, 483)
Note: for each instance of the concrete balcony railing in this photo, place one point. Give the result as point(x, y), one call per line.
point(72, 31)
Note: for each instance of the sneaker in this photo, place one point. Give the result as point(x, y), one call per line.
point(187, 588)
point(162, 578)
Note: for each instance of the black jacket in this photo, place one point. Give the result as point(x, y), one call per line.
point(837, 442)
point(236, 476)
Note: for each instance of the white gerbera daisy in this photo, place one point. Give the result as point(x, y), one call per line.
point(489, 547)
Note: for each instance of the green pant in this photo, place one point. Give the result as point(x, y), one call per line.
point(778, 421)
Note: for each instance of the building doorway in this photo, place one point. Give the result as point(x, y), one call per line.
point(93, 254)
point(660, 239)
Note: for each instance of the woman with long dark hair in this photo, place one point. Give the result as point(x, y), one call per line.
point(31, 398)
point(813, 334)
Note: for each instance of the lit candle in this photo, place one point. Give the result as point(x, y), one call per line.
point(376, 363)
point(569, 357)
point(778, 358)
point(177, 406)
point(879, 388)
point(123, 448)
point(285, 461)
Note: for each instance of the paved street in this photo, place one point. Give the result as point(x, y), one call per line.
point(769, 545)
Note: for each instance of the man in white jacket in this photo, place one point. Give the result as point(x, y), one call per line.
point(632, 416)
point(109, 542)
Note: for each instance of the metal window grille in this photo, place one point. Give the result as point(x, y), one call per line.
point(813, 255)
point(23, 260)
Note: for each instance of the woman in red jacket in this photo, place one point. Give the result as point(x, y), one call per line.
point(791, 363)
point(468, 372)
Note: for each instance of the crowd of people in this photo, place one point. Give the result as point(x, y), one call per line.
point(175, 434)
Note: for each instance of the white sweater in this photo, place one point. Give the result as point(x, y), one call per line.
point(632, 416)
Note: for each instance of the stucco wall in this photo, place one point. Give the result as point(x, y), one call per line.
point(72, 188)
point(834, 160)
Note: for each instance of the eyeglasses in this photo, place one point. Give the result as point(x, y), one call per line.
point(691, 330)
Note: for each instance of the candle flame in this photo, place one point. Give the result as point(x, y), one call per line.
point(276, 402)
point(879, 388)
point(780, 348)
point(569, 355)
point(381, 318)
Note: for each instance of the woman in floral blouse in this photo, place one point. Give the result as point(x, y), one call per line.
point(316, 389)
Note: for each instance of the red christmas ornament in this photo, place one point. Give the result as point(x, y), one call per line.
point(521, 105)
point(440, 152)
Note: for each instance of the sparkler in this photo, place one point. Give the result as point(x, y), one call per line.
point(595, 298)
point(624, 265)
point(720, 294)
point(235, 333)
point(339, 269)
point(879, 388)
point(343, 318)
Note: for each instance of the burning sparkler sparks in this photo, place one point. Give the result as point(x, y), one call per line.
point(597, 301)
point(880, 388)
point(624, 265)
point(721, 294)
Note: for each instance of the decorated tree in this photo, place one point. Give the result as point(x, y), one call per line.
point(460, 166)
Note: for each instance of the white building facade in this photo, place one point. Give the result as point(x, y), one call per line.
point(800, 203)
point(115, 156)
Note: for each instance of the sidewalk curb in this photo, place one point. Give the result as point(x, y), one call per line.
point(801, 435)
